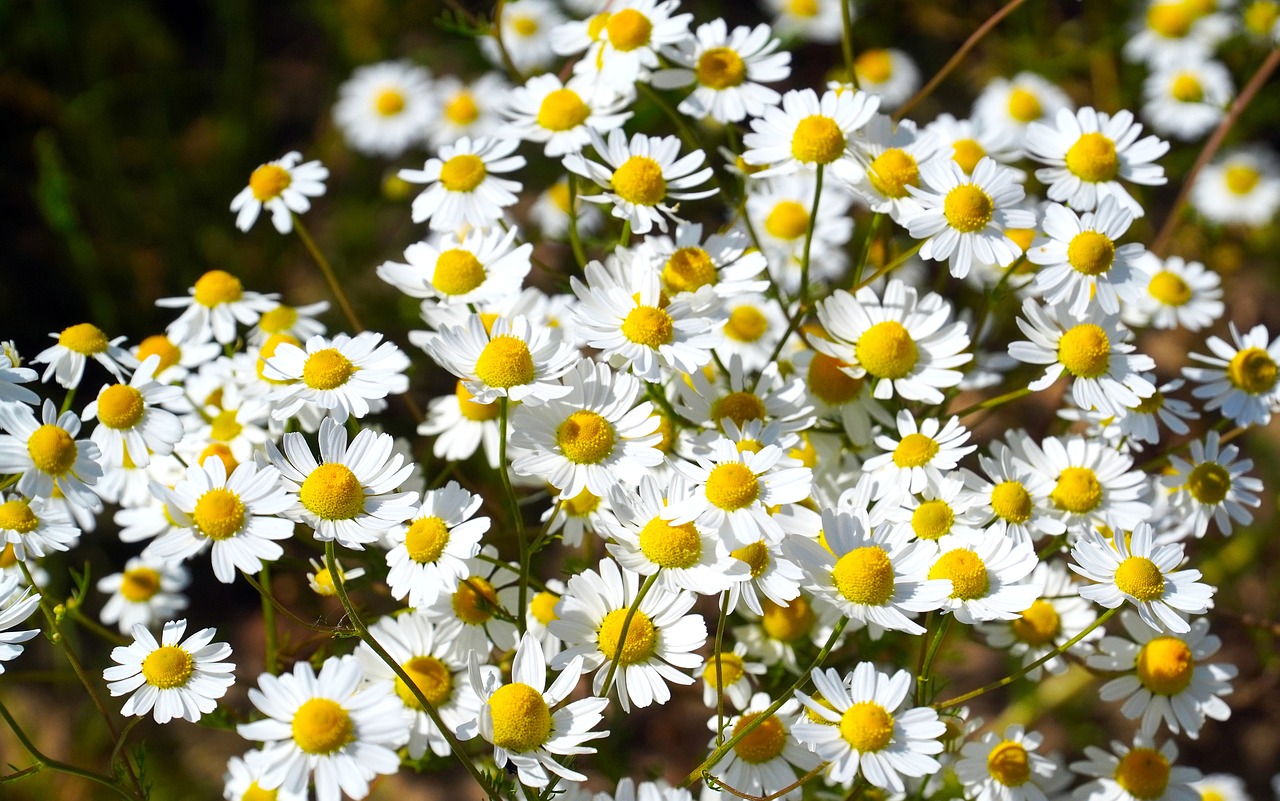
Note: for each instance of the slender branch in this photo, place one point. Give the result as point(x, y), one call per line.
point(507, 63)
point(846, 41)
point(724, 616)
point(53, 764)
point(622, 634)
point(269, 621)
point(808, 237)
point(795, 785)
point(872, 229)
point(517, 515)
point(888, 268)
point(331, 278)
point(991, 403)
point(339, 631)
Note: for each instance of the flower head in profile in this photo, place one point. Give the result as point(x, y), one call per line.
point(218, 301)
point(176, 678)
point(282, 187)
point(76, 343)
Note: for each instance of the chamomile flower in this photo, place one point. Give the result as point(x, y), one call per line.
point(773, 576)
point(517, 718)
point(236, 515)
point(298, 322)
point(738, 400)
point(1174, 32)
point(17, 602)
point(463, 187)
point(240, 782)
point(624, 46)
point(1223, 786)
point(943, 507)
point(519, 359)
point(807, 131)
point(1012, 105)
point(1179, 294)
point(989, 576)
point(728, 69)
point(732, 671)
point(11, 375)
point(1089, 152)
point(1006, 768)
point(478, 615)
point(76, 343)
point(1241, 379)
point(282, 187)
point(458, 426)
point(1082, 263)
point(349, 495)
point(429, 552)
point(969, 141)
point(1144, 574)
point(963, 217)
point(1240, 187)
point(328, 727)
point(866, 728)
point(320, 580)
point(562, 115)
point(340, 376)
point(768, 758)
point(217, 302)
point(887, 72)
point(660, 643)
point(902, 342)
point(1049, 623)
point(924, 450)
point(1166, 678)
point(383, 109)
point(466, 109)
point(527, 33)
point(639, 176)
point(1106, 373)
point(176, 678)
point(131, 424)
point(35, 527)
point(1212, 485)
point(1187, 100)
point(1093, 483)
point(149, 590)
point(541, 611)
point(813, 20)
point(1016, 494)
point(1143, 422)
point(550, 212)
point(1138, 773)
point(888, 165)
point(48, 456)
point(782, 212)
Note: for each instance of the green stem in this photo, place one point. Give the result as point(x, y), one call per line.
point(624, 238)
point(269, 621)
point(53, 764)
point(332, 631)
point(720, 623)
point(66, 402)
point(846, 41)
point(872, 229)
point(991, 403)
point(926, 675)
point(503, 53)
point(331, 278)
point(517, 517)
point(97, 628)
point(575, 240)
point(888, 268)
point(808, 237)
point(622, 634)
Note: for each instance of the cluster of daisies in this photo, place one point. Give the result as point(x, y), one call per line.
point(753, 440)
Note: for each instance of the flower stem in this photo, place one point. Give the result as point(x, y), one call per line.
point(888, 268)
point(720, 622)
point(330, 277)
point(622, 634)
point(269, 621)
point(808, 237)
point(513, 504)
point(846, 40)
point(991, 403)
point(53, 764)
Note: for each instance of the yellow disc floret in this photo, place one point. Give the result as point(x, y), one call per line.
point(475, 601)
point(219, 513)
point(967, 153)
point(886, 350)
point(332, 492)
point(140, 584)
point(463, 173)
point(967, 572)
point(817, 140)
point(521, 718)
point(1091, 253)
point(968, 208)
point(1085, 351)
point(932, 519)
point(1252, 370)
point(52, 450)
point(639, 180)
point(1038, 625)
point(762, 743)
point(1172, 19)
point(167, 667)
point(321, 726)
point(432, 678)
point(388, 102)
point(731, 670)
point(738, 407)
point(893, 171)
point(746, 324)
point(864, 576)
point(649, 326)
point(1139, 577)
point(16, 515)
point(874, 66)
point(120, 406)
point(1024, 106)
point(169, 353)
point(915, 450)
point(720, 68)
point(1241, 179)
point(866, 727)
point(787, 220)
point(217, 287)
point(1078, 490)
point(829, 383)
point(472, 410)
point(1209, 483)
point(641, 641)
point(788, 623)
point(505, 362)
point(1143, 773)
point(671, 546)
point(1093, 158)
point(85, 338)
point(1165, 666)
point(1186, 88)
point(628, 29)
point(732, 486)
point(426, 539)
point(585, 438)
point(688, 269)
point(543, 607)
point(462, 109)
point(1011, 502)
point(457, 272)
point(269, 181)
point(756, 555)
point(562, 110)
point(1008, 764)
point(1169, 289)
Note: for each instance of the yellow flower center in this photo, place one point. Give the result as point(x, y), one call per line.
point(731, 670)
point(893, 171)
point(628, 29)
point(1011, 502)
point(788, 220)
point(641, 642)
point(732, 486)
point(864, 576)
point(167, 667)
point(525, 26)
point(1038, 625)
point(688, 269)
point(16, 515)
point(1259, 18)
point(1024, 106)
point(543, 607)
point(720, 68)
point(140, 584)
point(1078, 490)
point(967, 572)
point(1091, 253)
point(52, 450)
point(764, 742)
point(886, 350)
point(1209, 483)
point(521, 718)
point(159, 345)
point(915, 450)
point(585, 438)
point(388, 102)
point(562, 110)
point(256, 793)
point(219, 450)
point(874, 66)
point(219, 514)
point(1169, 289)
point(268, 181)
point(639, 180)
point(332, 492)
point(225, 427)
point(932, 519)
point(268, 350)
point(120, 406)
point(472, 410)
point(756, 555)
point(457, 272)
point(788, 623)
point(738, 407)
point(968, 208)
point(1252, 370)
point(217, 287)
point(1143, 773)
point(463, 173)
point(505, 362)
point(1093, 158)
point(1008, 764)
point(1187, 89)
point(746, 324)
point(426, 539)
point(803, 8)
point(1165, 666)
point(831, 384)
point(321, 726)
point(1022, 237)
point(1085, 351)
point(432, 678)
point(649, 326)
point(84, 338)
point(1242, 179)
point(817, 140)
point(866, 727)
point(1138, 576)
point(1171, 20)
point(967, 153)
point(582, 504)
point(671, 546)
point(475, 601)
point(462, 109)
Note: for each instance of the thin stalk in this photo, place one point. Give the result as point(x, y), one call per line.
point(331, 278)
point(720, 623)
point(873, 228)
point(332, 631)
point(269, 621)
point(624, 238)
point(795, 785)
point(507, 63)
point(991, 403)
point(53, 764)
point(846, 41)
point(66, 402)
point(97, 628)
point(888, 268)
point(926, 676)
point(808, 237)
point(518, 518)
point(622, 635)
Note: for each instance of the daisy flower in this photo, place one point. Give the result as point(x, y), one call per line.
point(240, 782)
point(349, 494)
point(66, 359)
point(1179, 294)
point(1052, 620)
point(970, 141)
point(35, 527)
point(47, 454)
point(320, 580)
point(1166, 678)
point(12, 374)
point(237, 514)
point(428, 554)
point(297, 321)
point(1212, 485)
point(177, 678)
point(1143, 422)
point(1081, 262)
point(738, 400)
point(1092, 349)
point(550, 212)
point(527, 33)
point(625, 45)
point(441, 677)
point(780, 210)
point(1088, 151)
point(517, 718)
point(1173, 32)
point(807, 131)
point(328, 727)
point(1013, 104)
point(640, 175)
point(340, 375)
point(783, 629)
point(217, 302)
point(1006, 768)
point(1016, 494)
point(562, 115)
point(989, 576)
point(1188, 100)
point(963, 217)
point(466, 109)
point(480, 613)
point(176, 362)
point(866, 728)
point(813, 20)
point(1093, 484)
point(1138, 773)
point(458, 426)
point(751, 333)
point(1222, 786)
point(463, 187)
point(130, 423)
point(732, 671)
point(888, 73)
point(149, 590)
point(1243, 379)
point(725, 261)
point(1143, 573)
point(903, 342)
point(888, 164)
point(728, 68)
point(539, 614)
point(17, 602)
point(383, 109)
point(519, 359)
point(943, 507)
point(773, 576)
point(925, 450)
point(281, 187)
point(660, 643)
point(1240, 187)
point(769, 757)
